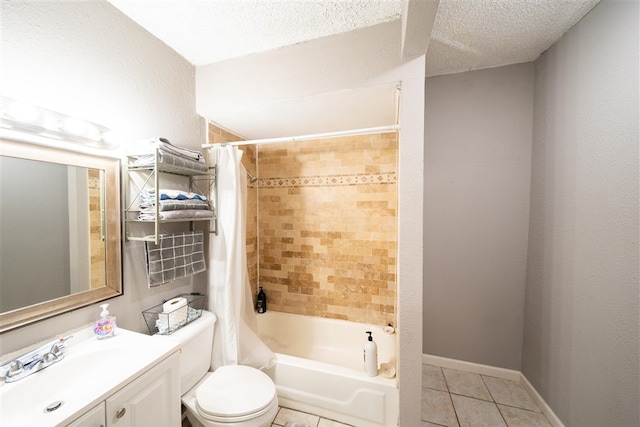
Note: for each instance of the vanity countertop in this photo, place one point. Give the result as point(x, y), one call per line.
point(91, 371)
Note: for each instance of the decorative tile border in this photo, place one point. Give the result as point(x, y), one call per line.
point(329, 180)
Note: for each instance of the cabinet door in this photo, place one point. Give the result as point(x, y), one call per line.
point(93, 418)
point(151, 400)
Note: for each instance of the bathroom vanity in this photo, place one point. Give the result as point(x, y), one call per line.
point(145, 401)
point(127, 380)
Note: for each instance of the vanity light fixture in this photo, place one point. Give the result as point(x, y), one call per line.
point(22, 112)
point(24, 117)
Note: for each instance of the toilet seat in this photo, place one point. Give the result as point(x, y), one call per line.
point(235, 393)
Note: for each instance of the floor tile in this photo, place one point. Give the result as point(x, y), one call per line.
point(427, 424)
point(516, 417)
point(329, 423)
point(295, 418)
point(476, 413)
point(466, 384)
point(433, 378)
point(437, 408)
point(510, 393)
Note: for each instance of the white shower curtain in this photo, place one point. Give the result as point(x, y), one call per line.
point(235, 341)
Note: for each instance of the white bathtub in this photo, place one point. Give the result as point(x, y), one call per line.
point(320, 368)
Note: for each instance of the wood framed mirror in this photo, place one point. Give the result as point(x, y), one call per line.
point(60, 231)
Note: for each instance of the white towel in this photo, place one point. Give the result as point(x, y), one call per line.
point(180, 214)
point(149, 195)
point(148, 145)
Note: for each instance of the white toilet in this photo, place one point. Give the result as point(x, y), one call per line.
point(231, 396)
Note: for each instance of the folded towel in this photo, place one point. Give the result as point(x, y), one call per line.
point(181, 214)
point(147, 146)
point(149, 195)
point(170, 159)
point(175, 256)
point(175, 205)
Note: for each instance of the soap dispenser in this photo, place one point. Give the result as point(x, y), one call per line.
point(370, 356)
point(105, 326)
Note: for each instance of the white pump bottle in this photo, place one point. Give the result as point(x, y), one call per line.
point(371, 356)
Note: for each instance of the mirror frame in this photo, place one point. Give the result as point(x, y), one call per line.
point(113, 241)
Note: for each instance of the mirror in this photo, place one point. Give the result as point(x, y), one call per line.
point(60, 246)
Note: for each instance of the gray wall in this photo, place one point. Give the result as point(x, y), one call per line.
point(89, 60)
point(476, 213)
point(581, 314)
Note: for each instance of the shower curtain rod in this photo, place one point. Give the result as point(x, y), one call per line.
point(379, 129)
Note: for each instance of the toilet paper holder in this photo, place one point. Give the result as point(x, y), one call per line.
point(174, 313)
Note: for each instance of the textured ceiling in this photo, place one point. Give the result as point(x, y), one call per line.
point(474, 34)
point(467, 34)
point(209, 31)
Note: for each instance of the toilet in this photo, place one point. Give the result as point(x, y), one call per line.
point(230, 396)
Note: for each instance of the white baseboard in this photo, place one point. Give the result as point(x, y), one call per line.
point(476, 368)
point(492, 371)
point(546, 409)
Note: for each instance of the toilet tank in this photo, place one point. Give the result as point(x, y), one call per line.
point(196, 342)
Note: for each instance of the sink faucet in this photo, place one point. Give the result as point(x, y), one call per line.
point(34, 361)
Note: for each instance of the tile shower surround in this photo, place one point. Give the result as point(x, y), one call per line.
point(322, 225)
point(327, 227)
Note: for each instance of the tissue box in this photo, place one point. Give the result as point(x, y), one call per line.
point(171, 315)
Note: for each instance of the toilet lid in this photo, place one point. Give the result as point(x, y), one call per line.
point(235, 391)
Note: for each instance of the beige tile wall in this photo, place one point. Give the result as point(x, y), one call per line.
point(322, 225)
point(328, 227)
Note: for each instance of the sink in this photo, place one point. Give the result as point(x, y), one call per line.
point(91, 370)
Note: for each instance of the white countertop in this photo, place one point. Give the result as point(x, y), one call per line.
point(91, 371)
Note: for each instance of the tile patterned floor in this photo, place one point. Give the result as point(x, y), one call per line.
point(289, 418)
point(452, 398)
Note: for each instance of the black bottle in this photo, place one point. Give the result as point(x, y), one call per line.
point(262, 301)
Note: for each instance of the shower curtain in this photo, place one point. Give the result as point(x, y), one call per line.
point(235, 341)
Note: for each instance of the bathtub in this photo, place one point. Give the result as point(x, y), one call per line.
point(320, 368)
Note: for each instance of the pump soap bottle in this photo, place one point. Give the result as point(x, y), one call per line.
point(370, 356)
point(105, 326)
point(261, 304)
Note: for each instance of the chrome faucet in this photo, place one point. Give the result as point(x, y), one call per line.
point(34, 361)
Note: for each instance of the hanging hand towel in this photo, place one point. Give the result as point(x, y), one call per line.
point(175, 256)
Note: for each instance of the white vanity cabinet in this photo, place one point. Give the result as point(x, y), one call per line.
point(153, 399)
